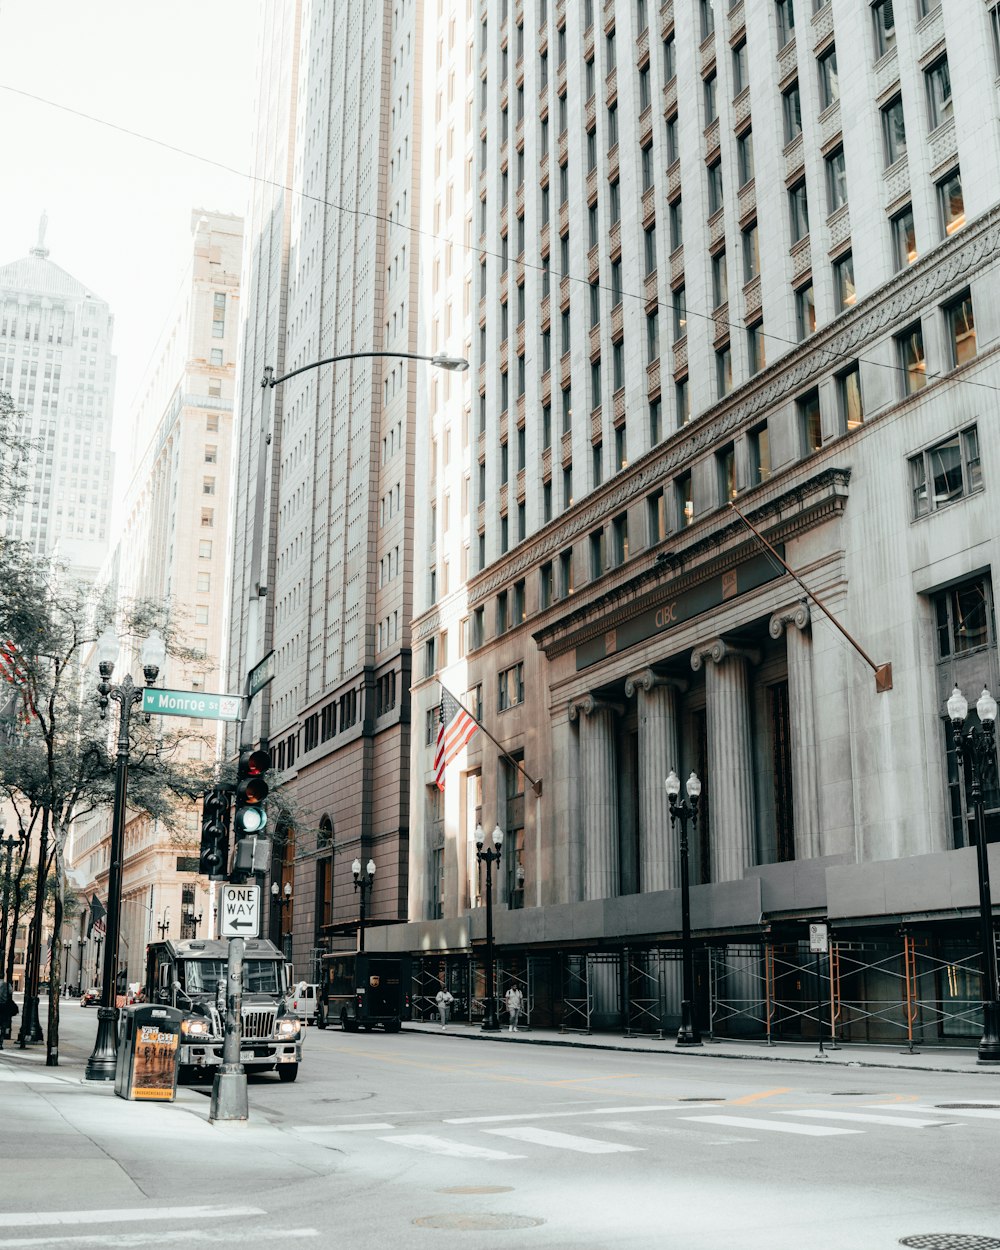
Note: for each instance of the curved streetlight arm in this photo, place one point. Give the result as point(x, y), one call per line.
point(456, 364)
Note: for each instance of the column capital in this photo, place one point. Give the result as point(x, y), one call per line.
point(798, 615)
point(646, 679)
point(717, 650)
point(591, 704)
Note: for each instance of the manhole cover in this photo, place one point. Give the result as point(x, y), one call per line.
point(701, 1100)
point(848, 1093)
point(485, 1222)
point(950, 1241)
point(968, 1106)
point(476, 1189)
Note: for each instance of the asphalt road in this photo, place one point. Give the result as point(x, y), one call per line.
point(431, 1138)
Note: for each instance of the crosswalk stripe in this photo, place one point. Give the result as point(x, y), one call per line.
point(26, 1076)
point(770, 1126)
point(953, 1113)
point(17, 1219)
point(156, 1237)
point(563, 1141)
point(556, 1115)
point(452, 1150)
point(864, 1117)
point(344, 1128)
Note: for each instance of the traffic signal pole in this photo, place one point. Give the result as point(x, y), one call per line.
point(229, 1088)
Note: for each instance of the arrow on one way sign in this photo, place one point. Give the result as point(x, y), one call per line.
point(240, 911)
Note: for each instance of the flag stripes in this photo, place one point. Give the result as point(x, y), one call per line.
point(455, 727)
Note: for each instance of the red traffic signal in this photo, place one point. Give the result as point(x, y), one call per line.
point(251, 791)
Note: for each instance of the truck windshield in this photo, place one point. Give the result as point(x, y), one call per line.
point(202, 976)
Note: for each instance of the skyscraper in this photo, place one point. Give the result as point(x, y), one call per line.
point(56, 362)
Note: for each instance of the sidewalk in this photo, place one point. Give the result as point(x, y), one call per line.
point(850, 1054)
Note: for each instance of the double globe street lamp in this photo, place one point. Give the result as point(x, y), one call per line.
point(976, 748)
point(101, 1064)
point(685, 810)
point(489, 857)
point(363, 883)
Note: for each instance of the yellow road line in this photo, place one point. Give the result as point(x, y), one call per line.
point(764, 1093)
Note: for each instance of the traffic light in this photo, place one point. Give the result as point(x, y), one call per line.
point(214, 855)
point(251, 791)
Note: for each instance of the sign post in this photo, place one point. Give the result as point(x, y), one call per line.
point(239, 906)
point(819, 941)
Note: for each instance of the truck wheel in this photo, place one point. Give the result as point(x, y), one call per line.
point(185, 1074)
point(349, 1026)
point(320, 1018)
point(393, 1026)
point(287, 1072)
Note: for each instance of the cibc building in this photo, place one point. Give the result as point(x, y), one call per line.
point(714, 270)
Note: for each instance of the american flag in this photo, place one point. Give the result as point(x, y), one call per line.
point(13, 672)
point(455, 727)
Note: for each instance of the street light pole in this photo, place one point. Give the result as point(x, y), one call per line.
point(7, 845)
point(976, 747)
point(103, 1059)
point(364, 884)
point(164, 924)
point(280, 899)
point(491, 1023)
point(685, 810)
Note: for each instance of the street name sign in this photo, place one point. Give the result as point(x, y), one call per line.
point(260, 675)
point(240, 911)
point(157, 702)
point(818, 938)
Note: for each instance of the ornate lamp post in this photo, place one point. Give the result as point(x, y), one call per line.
point(164, 924)
point(976, 748)
point(8, 845)
point(491, 1023)
point(364, 884)
point(685, 810)
point(101, 1064)
point(280, 899)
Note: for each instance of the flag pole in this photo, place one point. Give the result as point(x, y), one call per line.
point(535, 785)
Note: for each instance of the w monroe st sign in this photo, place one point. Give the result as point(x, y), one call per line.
point(158, 702)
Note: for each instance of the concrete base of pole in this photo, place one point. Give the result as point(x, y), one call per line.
point(989, 1043)
point(229, 1094)
point(688, 1034)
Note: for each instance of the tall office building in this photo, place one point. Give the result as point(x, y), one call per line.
point(740, 253)
point(324, 580)
point(56, 363)
point(173, 548)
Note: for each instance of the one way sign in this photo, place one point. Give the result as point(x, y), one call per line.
point(240, 911)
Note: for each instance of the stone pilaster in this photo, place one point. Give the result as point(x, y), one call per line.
point(794, 623)
point(599, 794)
point(730, 756)
point(659, 867)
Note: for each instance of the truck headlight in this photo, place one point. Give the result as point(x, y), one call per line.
point(288, 1028)
point(194, 1028)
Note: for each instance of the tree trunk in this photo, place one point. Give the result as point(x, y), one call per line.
point(55, 977)
point(18, 893)
point(30, 1024)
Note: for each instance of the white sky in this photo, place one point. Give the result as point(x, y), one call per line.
point(180, 71)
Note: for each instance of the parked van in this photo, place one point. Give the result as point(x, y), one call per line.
point(303, 1001)
point(362, 990)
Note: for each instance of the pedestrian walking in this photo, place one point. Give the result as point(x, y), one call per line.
point(8, 1010)
point(444, 1000)
point(514, 1001)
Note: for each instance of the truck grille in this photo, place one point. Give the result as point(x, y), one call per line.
point(259, 1022)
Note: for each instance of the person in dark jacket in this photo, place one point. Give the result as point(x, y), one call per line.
point(8, 1010)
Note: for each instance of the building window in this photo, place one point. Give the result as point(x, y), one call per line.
point(829, 83)
point(715, 187)
point(648, 166)
point(567, 486)
point(656, 515)
point(621, 447)
point(676, 220)
point(961, 326)
point(843, 282)
point(836, 180)
point(946, 472)
point(517, 601)
point(786, 21)
point(741, 78)
point(951, 203)
point(673, 143)
point(707, 9)
point(805, 311)
point(567, 583)
point(430, 666)
point(503, 614)
point(596, 554)
point(649, 237)
point(798, 211)
point(885, 26)
point(792, 110)
point(744, 157)
point(755, 347)
point(725, 468)
point(964, 616)
point(652, 337)
point(680, 313)
point(849, 394)
point(682, 401)
point(939, 103)
point(810, 429)
point(751, 253)
point(204, 583)
point(709, 86)
point(655, 421)
point(684, 500)
point(597, 456)
point(546, 585)
point(894, 130)
point(207, 518)
point(723, 371)
point(912, 361)
point(760, 454)
point(510, 687)
point(669, 58)
point(205, 549)
point(619, 537)
point(904, 238)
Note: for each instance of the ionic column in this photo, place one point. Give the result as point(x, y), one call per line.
point(657, 707)
point(802, 721)
point(730, 756)
point(599, 785)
